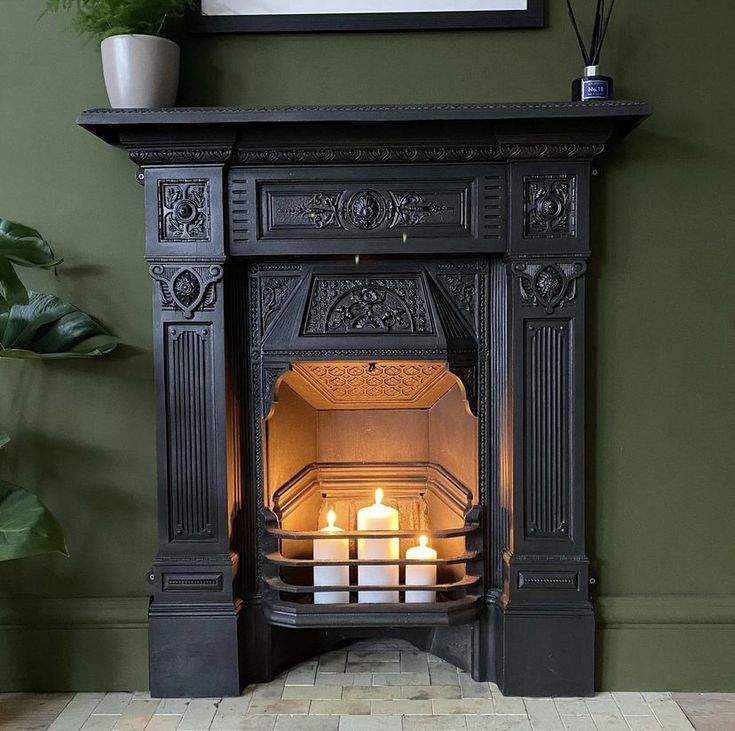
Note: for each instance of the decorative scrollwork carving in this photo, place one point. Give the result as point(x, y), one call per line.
point(344, 305)
point(548, 284)
point(367, 209)
point(321, 210)
point(184, 210)
point(274, 295)
point(550, 206)
point(187, 288)
point(461, 288)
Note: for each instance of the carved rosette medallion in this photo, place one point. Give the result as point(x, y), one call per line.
point(184, 210)
point(550, 207)
point(366, 210)
point(187, 288)
point(384, 305)
point(548, 284)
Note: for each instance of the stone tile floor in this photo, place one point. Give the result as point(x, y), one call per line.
point(369, 687)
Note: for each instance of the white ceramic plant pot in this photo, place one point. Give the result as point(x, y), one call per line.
point(140, 71)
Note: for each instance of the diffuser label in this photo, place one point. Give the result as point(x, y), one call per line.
point(594, 89)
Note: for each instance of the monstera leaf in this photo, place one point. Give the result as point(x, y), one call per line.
point(20, 246)
point(27, 526)
point(49, 328)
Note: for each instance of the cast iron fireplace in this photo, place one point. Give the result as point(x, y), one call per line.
point(348, 298)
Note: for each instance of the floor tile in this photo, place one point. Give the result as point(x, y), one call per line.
point(312, 692)
point(307, 723)
point(255, 722)
point(231, 713)
point(578, 723)
point(399, 679)
point(463, 706)
point(100, 723)
point(333, 662)
point(571, 707)
point(340, 708)
point(175, 706)
point(136, 715)
point(344, 679)
point(543, 714)
point(373, 656)
point(414, 662)
point(169, 722)
point(370, 723)
point(508, 705)
point(113, 703)
point(429, 692)
point(643, 723)
point(199, 714)
point(79, 709)
point(631, 704)
point(304, 675)
point(401, 707)
point(373, 667)
point(442, 673)
point(471, 688)
point(434, 723)
point(374, 693)
point(278, 707)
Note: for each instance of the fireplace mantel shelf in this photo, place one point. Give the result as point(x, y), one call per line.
point(606, 117)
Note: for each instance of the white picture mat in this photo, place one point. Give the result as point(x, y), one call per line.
point(340, 7)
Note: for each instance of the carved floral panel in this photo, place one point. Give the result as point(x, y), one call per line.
point(187, 288)
point(184, 210)
point(381, 305)
point(547, 284)
point(550, 206)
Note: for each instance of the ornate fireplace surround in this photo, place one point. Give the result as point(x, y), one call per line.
point(471, 228)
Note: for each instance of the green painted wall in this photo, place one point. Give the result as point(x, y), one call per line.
point(661, 355)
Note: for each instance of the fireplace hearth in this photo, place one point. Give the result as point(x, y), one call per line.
point(354, 298)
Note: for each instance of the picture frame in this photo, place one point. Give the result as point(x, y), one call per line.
point(276, 16)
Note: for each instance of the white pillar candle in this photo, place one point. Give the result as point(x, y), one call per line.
point(420, 574)
point(331, 549)
point(377, 517)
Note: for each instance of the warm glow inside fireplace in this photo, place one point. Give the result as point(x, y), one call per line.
point(336, 432)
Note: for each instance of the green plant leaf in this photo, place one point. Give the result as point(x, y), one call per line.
point(48, 328)
point(14, 290)
point(27, 526)
point(25, 246)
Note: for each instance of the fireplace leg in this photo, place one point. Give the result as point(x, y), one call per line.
point(193, 656)
point(546, 654)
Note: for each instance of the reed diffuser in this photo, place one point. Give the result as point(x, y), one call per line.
point(592, 86)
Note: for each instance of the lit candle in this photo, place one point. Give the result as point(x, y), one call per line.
point(420, 574)
point(331, 549)
point(377, 517)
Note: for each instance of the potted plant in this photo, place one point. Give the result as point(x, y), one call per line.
point(37, 326)
point(140, 63)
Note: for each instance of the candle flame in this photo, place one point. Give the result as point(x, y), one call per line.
point(423, 541)
point(331, 517)
point(378, 496)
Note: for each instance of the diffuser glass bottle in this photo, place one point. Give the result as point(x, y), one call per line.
point(593, 85)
